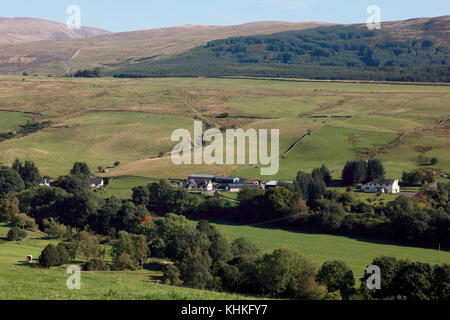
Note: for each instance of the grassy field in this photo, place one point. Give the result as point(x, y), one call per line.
point(9, 121)
point(122, 187)
point(357, 253)
point(101, 121)
point(20, 281)
point(332, 146)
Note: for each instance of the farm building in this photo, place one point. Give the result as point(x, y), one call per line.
point(236, 187)
point(271, 184)
point(382, 185)
point(255, 182)
point(203, 185)
point(201, 177)
point(206, 185)
point(191, 185)
point(45, 182)
point(96, 183)
point(225, 180)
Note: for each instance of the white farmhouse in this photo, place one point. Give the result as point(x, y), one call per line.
point(96, 183)
point(382, 185)
point(206, 185)
point(203, 185)
point(45, 182)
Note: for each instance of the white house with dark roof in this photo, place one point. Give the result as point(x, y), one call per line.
point(96, 183)
point(203, 185)
point(206, 185)
point(45, 182)
point(382, 185)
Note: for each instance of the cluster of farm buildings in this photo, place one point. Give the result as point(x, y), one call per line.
point(96, 183)
point(205, 182)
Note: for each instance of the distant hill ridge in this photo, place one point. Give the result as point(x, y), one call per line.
point(68, 55)
point(410, 50)
point(23, 30)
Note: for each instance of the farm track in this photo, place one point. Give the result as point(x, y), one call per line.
point(195, 110)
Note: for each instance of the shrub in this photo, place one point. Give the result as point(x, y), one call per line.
point(286, 273)
point(337, 276)
point(195, 269)
point(223, 115)
point(72, 248)
point(64, 256)
point(54, 229)
point(123, 262)
point(50, 256)
point(8, 209)
point(172, 275)
point(23, 221)
point(158, 248)
point(16, 234)
point(89, 246)
point(244, 247)
point(10, 181)
point(96, 265)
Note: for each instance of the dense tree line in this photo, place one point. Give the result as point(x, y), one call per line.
point(418, 177)
point(405, 280)
point(362, 171)
point(336, 52)
point(19, 177)
point(94, 73)
point(308, 205)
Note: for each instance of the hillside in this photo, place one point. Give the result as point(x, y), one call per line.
point(22, 30)
point(413, 50)
point(20, 280)
point(100, 121)
point(60, 57)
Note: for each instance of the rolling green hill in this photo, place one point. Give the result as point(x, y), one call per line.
point(357, 253)
point(334, 52)
point(100, 121)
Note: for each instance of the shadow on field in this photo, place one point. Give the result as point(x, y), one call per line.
point(25, 264)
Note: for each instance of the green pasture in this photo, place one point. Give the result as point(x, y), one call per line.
point(100, 121)
point(10, 121)
point(19, 280)
point(357, 253)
